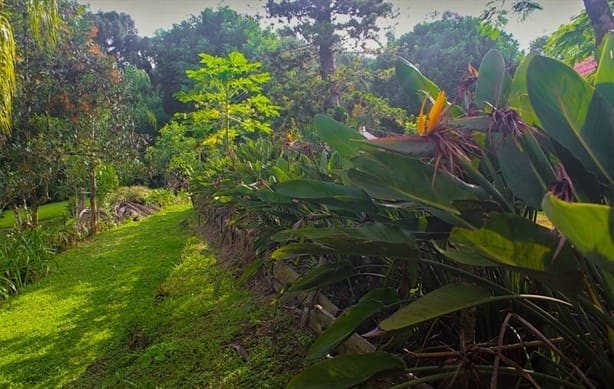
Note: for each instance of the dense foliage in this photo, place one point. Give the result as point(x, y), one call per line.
point(453, 197)
point(424, 226)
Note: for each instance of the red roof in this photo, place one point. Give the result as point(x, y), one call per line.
point(586, 67)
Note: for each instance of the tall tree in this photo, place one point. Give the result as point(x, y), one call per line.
point(601, 17)
point(216, 32)
point(325, 24)
point(442, 49)
point(117, 34)
point(599, 13)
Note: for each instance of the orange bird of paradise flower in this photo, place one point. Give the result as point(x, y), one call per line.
point(427, 123)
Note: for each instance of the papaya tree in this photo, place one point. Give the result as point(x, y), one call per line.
point(228, 99)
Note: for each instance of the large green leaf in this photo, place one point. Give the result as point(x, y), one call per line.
point(519, 97)
point(395, 177)
point(414, 83)
point(571, 113)
point(313, 189)
point(480, 123)
point(604, 78)
point(519, 173)
point(586, 185)
point(375, 239)
point(332, 195)
point(346, 324)
point(524, 246)
point(292, 250)
point(417, 146)
point(493, 82)
point(346, 371)
point(590, 227)
point(442, 301)
point(323, 275)
point(340, 137)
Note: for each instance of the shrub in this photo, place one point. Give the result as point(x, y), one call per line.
point(24, 257)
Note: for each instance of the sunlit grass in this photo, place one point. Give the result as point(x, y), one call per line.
point(144, 304)
point(46, 213)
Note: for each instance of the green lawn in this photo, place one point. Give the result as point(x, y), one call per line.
point(144, 304)
point(46, 213)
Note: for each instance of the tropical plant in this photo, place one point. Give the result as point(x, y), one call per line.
point(444, 48)
point(43, 20)
point(24, 256)
point(228, 98)
point(325, 24)
point(217, 32)
point(453, 211)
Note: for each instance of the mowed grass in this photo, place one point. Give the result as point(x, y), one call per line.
point(144, 305)
point(46, 213)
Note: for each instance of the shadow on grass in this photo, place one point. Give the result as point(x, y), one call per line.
point(96, 301)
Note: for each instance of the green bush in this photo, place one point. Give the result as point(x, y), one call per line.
point(162, 197)
point(24, 257)
point(134, 194)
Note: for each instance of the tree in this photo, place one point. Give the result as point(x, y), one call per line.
point(174, 155)
point(325, 23)
point(601, 17)
point(43, 19)
point(92, 98)
point(575, 41)
point(598, 11)
point(117, 34)
point(145, 101)
point(217, 32)
point(442, 49)
point(536, 46)
point(228, 98)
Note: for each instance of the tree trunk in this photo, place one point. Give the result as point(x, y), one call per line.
point(601, 18)
point(34, 210)
point(327, 60)
point(326, 40)
point(93, 203)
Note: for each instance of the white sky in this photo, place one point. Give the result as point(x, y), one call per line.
point(150, 15)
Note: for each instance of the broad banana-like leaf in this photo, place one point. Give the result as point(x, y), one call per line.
point(416, 146)
point(467, 255)
point(346, 371)
point(313, 189)
point(524, 246)
point(586, 184)
point(574, 115)
point(292, 250)
point(414, 83)
point(604, 78)
point(442, 301)
point(493, 81)
point(338, 136)
point(480, 123)
point(590, 227)
point(333, 195)
point(519, 97)
point(271, 197)
point(374, 239)
point(323, 275)
point(346, 324)
point(395, 177)
point(519, 173)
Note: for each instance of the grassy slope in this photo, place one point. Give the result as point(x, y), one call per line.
point(143, 304)
point(46, 212)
